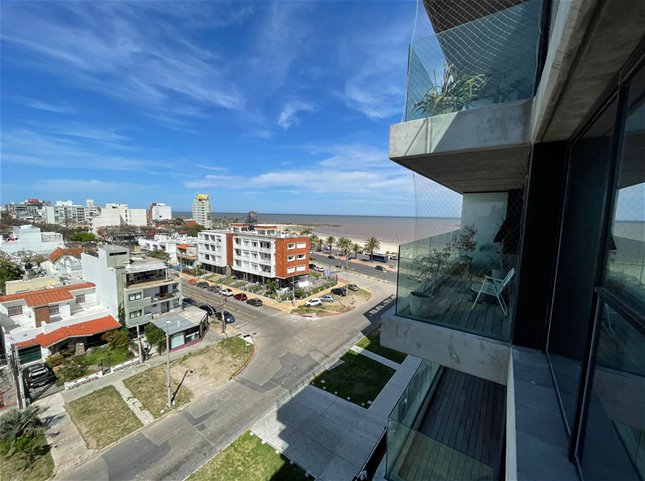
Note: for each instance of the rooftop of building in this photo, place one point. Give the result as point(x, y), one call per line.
point(179, 321)
point(65, 251)
point(52, 295)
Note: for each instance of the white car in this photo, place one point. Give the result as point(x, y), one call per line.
point(319, 269)
point(327, 298)
point(315, 302)
point(226, 292)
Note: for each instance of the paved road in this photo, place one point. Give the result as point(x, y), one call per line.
point(320, 259)
point(289, 351)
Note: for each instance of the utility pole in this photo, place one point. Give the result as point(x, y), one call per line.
point(168, 364)
point(140, 347)
point(15, 368)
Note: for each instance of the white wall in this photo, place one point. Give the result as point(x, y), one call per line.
point(161, 212)
point(138, 217)
point(94, 270)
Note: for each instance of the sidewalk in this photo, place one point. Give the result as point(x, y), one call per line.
point(68, 448)
point(383, 360)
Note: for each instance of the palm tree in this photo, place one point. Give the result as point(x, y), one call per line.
point(314, 240)
point(331, 240)
point(355, 249)
point(306, 231)
point(345, 246)
point(319, 244)
point(372, 244)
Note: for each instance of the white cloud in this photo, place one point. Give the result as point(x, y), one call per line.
point(48, 107)
point(127, 55)
point(65, 187)
point(288, 115)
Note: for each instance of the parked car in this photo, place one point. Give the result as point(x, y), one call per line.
point(226, 292)
point(380, 268)
point(312, 266)
point(192, 281)
point(189, 301)
point(339, 291)
point(255, 302)
point(210, 310)
point(352, 287)
point(202, 284)
point(330, 257)
point(240, 297)
point(315, 302)
point(214, 289)
point(319, 269)
point(394, 258)
point(38, 375)
point(228, 317)
point(327, 298)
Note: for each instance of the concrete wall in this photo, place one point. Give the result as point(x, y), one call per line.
point(13, 287)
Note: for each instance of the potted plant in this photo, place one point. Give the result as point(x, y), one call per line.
point(430, 270)
point(464, 242)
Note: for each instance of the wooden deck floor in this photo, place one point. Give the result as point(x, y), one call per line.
point(460, 435)
point(453, 302)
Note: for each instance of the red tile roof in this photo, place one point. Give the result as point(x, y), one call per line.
point(62, 251)
point(82, 329)
point(183, 246)
point(43, 297)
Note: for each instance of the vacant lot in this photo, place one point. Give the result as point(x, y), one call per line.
point(193, 376)
point(358, 378)
point(373, 343)
point(102, 417)
point(247, 459)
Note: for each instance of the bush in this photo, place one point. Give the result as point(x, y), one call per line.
point(155, 336)
point(72, 368)
point(118, 339)
point(55, 360)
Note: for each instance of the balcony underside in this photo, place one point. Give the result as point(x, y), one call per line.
point(480, 150)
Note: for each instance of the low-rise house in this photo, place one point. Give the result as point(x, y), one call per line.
point(183, 327)
point(65, 263)
point(167, 244)
point(187, 254)
point(36, 324)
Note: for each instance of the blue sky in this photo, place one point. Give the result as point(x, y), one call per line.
point(272, 106)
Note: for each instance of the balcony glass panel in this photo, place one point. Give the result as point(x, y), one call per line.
point(471, 54)
point(449, 281)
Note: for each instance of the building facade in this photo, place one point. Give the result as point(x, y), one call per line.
point(30, 238)
point(160, 212)
point(530, 318)
point(38, 323)
point(202, 210)
point(255, 255)
point(139, 289)
point(118, 215)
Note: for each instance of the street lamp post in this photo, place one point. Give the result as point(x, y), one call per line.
point(168, 364)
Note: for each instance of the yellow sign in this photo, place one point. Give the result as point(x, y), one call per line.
point(202, 196)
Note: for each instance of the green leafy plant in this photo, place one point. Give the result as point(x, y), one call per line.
point(453, 93)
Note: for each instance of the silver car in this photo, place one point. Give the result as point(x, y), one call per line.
point(327, 298)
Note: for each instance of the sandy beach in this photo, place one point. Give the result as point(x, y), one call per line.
point(386, 246)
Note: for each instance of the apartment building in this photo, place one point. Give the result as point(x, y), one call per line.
point(65, 213)
point(202, 210)
point(166, 243)
point(140, 288)
point(38, 323)
point(29, 210)
point(30, 238)
point(256, 253)
point(119, 214)
point(530, 318)
point(160, 212)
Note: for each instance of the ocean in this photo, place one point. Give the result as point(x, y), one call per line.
point(395, 230)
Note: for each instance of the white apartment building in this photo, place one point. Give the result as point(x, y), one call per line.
point(202, 210)
point(159, 211)
point(255, 255)
point(119, 214)
point(166, 243)
point(30, 238)
point(65, 213)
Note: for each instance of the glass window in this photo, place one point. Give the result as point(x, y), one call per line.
point(80, 298)
point(53, 310)
point(135, 296)
point(625, 269)
point(134, 314)
point(579, 257)
point(15, 311)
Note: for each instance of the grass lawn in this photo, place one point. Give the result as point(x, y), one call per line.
point(359, 378)
point(102, 417)
point(373, 343)
point(204, 370)
point(247, 459)
point(106, 355)
point(42, 469)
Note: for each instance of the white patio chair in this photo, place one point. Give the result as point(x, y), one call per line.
point(494, 287)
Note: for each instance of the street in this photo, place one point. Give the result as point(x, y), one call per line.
point(321, 260)
point(289, 351)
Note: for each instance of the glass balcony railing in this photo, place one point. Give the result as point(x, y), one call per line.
point(449, 280)
point(474, 54)
point(415, 456)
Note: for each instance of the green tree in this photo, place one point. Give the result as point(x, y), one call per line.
point(193, 230)
point(179, 221)
point(118, 339)
point(345, 247)
point(356, 249)
point(159, 254)
point(372, 244)
point(10, 270)
point(313, 241)
point(272, 286)
point(83, 237)
point(306, 231)
point(331, 240)
point(155, 336)
point(22, 435)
